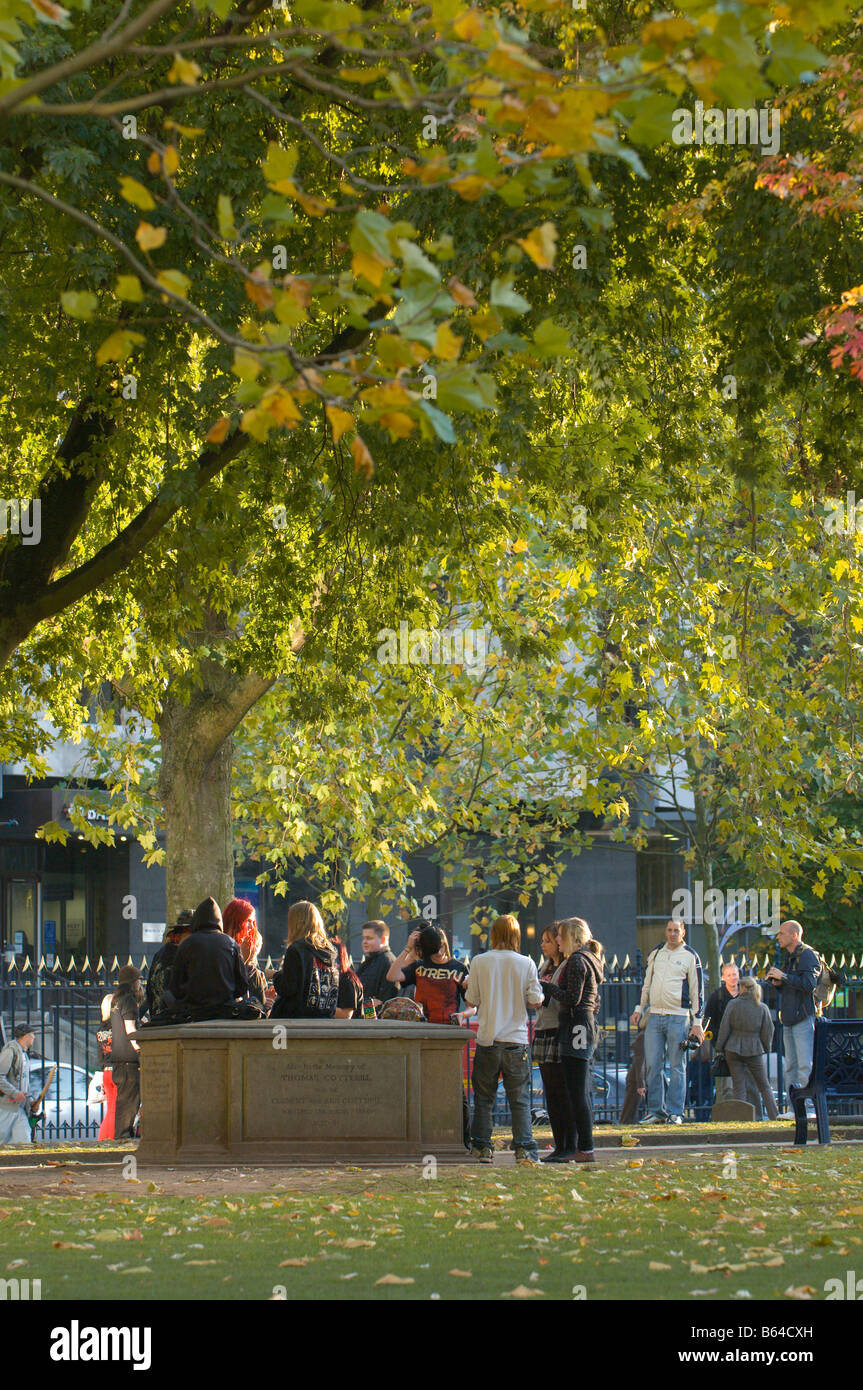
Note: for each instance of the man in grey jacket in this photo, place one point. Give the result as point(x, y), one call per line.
point(15, 1087)
point(796, 988)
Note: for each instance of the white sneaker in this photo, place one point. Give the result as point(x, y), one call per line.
point(675, 1119)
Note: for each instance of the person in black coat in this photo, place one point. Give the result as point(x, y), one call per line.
point(208, 977)
point(160, 1001)
point(376, 961)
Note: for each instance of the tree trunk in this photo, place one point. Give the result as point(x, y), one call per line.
point(195, 784)
point(711, 933)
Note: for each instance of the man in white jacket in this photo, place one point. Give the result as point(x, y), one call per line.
point(673, 989)
point(503, 984)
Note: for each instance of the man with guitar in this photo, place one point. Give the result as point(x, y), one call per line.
point(15, 1103)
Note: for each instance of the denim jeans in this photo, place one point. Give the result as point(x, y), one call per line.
point(662, 1038)
point(513, 1061)
point(798, 1043)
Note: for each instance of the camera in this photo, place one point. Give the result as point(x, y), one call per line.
point(690, 1044)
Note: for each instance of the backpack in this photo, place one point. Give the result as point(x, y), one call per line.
point(827, 983)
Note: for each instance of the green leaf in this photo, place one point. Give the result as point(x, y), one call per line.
point(651, 124)
point(128, 287)
point(442, 424)
point(505, 298)
point(79, 304)
point(370, 234)
point(280, 163)
point(462, 390)
point(117, 347)
point(551, 339)
point(225, 214)
point(791, 55)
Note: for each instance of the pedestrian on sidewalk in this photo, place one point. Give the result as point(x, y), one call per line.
point(125, 1063)
point(15, 1100)
point(577, 991)
point(673, 991)
point(745, 1038)
point(795, 984)
point(503, 984)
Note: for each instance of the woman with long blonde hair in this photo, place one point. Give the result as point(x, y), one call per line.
point(307, 986)
point(546, 1053)
point(577, 991)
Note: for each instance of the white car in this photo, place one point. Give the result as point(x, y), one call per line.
point(65, 1112)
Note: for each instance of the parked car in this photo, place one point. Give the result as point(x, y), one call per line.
point(65, 1112)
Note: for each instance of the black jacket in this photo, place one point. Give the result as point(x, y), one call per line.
point(160, 999)
point(577, 990)
point(796, 994)
point(307, 986)
point(372, 973)
point(208, 971)
point(715, 1008)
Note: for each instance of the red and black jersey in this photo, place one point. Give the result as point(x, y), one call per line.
point(439, 988)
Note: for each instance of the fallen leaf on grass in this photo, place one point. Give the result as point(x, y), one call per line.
point(298, 1263)
point(576, 1197)
point(199, 1263)
point(70, 1245)
point(139, 1269)
point(394, 1279)
point(352, 1243)
point(216, 1221)
point(485, 1225)
point(635, 1163)
point(461, 1273)
point(803, 1291)
point(655, 1266)
point(522, 1291)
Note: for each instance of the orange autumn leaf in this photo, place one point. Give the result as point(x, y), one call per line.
point(461, 294)
point(363, 461)
point(216, 433)
point(259, 292)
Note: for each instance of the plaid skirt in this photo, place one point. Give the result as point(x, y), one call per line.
point(545, 1047)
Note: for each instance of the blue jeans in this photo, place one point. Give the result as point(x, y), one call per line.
point(513, 1061)
point(662, 1038)
point(798, 1043)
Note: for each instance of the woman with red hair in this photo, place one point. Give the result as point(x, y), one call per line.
point(239, 922)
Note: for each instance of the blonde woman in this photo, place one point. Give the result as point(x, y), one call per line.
point(745, 1037)
point(577, 991)
point(310, 981)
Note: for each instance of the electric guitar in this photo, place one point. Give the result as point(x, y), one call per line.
point(35, 1109)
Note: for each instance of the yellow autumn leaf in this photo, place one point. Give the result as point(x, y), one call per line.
point(117, 347)
point(522, 1291)
point(149, 238)
point(170, 159)
point(398, 424)
point(461, 1273)
point(282, 406)
point(468, 26)
point(259, 292)
point(372, 268)
point(519, 547)
point(257, 424)
point(394, 1279)
point(447, 344)
point(135, 193)
point(128, 287)
point(340, 421)
point(471, 187)
point(183, 70)
point(175, 281)
point(541, 245)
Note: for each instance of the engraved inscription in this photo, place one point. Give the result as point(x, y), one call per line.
point(345, 1097)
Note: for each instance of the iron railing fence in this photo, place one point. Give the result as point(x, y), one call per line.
point(63, 1004)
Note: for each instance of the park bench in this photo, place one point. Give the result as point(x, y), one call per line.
point(837, 1072)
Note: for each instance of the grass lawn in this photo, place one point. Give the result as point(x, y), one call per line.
point(695, 1227)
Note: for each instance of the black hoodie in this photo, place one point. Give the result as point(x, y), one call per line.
point(208, 970)
point(307, 986)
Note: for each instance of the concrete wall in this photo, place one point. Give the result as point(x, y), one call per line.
point(599, 885)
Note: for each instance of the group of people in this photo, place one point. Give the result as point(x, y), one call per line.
point(672, 1021)
point(207, 968)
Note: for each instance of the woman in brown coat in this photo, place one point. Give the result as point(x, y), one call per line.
point(745, 1037)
